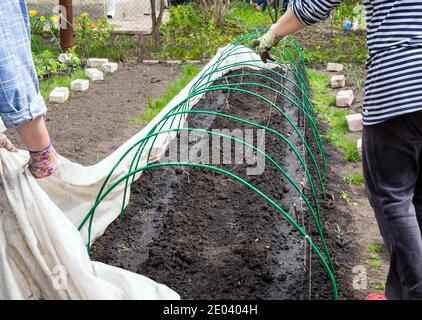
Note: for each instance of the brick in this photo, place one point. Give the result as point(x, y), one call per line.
point(110, 67)
point(80, 85)
point(59, 95)
point(345, 98)
point(96, 62)
point(354, 122)
point(334, 67)
point(359, 146)
point(94, 74)
point(338, 81)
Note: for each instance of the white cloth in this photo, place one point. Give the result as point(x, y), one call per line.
point(42, 254)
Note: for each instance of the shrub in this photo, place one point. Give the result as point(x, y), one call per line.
point(90, 37)
point(46, 64)
point(192, 34)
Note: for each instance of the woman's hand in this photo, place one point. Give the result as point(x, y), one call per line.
point(5, 143)
point(265, 44)
point(286, 25)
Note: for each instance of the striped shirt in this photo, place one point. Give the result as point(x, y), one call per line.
point(394, 41)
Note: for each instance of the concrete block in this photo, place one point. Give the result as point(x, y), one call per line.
point(359, 146)
point(59, 95)
point(345, 98)
point(96, 62)
point(174, 61)
point(354, 122)
point(94, 74)
point(80, 85)
point(64, 58)
point(334, 67)
point(338, 81)
point(110, 67)
point(151, 61)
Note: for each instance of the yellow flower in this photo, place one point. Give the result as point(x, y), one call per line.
point(33, 13)
point(54, 19)
point(42, 19)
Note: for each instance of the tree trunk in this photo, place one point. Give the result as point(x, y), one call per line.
point(156, 20)
point(66, 27)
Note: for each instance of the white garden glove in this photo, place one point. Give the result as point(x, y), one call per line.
point(7, 144)
point(265, 44)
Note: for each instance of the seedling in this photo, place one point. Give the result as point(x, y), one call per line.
point(375, 263)
point(380, 287)
point(374, 248)
point(354, 178)
point(346, 197)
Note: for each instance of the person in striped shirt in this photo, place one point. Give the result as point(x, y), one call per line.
point(392, 118)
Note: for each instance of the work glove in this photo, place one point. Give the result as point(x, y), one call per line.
point(265, 44)
point(5, 143)
point(43, 163)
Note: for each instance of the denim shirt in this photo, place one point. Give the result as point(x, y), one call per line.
point(20, 98)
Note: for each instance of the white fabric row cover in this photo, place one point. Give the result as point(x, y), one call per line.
point(42, 254)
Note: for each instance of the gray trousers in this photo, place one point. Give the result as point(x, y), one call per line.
point(392, 165)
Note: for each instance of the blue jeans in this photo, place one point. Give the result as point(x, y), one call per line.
point(20, 98)
point(392, 164)
point(285, 5)
point(264, 4)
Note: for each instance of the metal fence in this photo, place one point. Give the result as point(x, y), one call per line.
point(125, 16)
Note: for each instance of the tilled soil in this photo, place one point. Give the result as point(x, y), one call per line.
point(209, 237)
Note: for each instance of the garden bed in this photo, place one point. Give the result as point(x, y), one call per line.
point(209, 237)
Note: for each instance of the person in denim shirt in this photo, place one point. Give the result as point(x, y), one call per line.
point(21, 105)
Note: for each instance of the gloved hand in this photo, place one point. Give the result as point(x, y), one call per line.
point(265, 44)
point(5, 143)
point(43, 163)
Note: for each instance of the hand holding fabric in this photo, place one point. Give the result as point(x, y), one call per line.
point(7, 144)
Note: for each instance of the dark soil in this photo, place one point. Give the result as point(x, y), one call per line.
point(209, 237)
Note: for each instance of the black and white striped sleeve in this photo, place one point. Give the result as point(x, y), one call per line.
point(312, 11)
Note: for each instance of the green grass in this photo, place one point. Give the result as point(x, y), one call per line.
point(374, 248)
point(375, 263)
point(60, 81)
point(155, 106)
point(346, 197)
point(373, 256)
point(380, 287)
point(354, 178)
point(357, 73)
point(340, 47)
point(121, 49)
point(246, 17)
point(324, 101)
